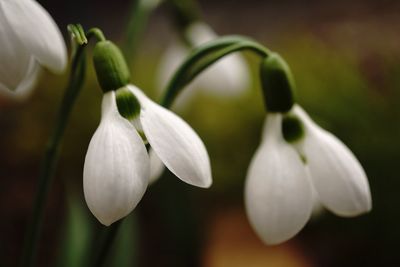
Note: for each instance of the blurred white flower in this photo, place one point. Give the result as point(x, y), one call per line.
point(29, 40)
point(228, 76)
point(117, 166)
point(279, 194)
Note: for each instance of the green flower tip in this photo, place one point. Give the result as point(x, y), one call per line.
point(292, 128)
point(277, 83)
point(110, 65)
point(78, 33)
point(127, 103)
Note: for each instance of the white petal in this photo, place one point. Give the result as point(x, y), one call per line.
point(26, 85)
point(337, 175)
point(175, 142)
point(200, 33)
point(318, 209)
point(14, 57)
point(36, 29)
point(278, 194)
point(156, 166)
point(227, 77)
point(116, 169)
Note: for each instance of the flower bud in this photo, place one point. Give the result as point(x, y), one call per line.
point(110, 65)
point(277, 83)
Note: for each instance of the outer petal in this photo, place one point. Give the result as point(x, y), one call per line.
point(156, 166)
point(337, 175)
point(175, 142)
point(16, 62)
point(26, 85)
point(116, 169)
point(35, 28)
point(278, 193)
point(317, 210)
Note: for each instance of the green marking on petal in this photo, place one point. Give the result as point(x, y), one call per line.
point(303, 158)
point(144, 138)
point(127, 103)
point(292, 128)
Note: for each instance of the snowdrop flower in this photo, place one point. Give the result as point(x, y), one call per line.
point(278, 193)
point(229, 76)
point(298, 165)
point(29, 40)
point(117, 165)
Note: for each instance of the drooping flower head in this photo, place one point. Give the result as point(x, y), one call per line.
point(29, 40)
point(117, 166)
point(296, 163)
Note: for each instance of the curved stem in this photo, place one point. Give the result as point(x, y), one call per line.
point(206, 55)
point(51, 157)
point(104, 242)
point(96, 32)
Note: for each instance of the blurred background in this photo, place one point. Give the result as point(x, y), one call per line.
point(345, 57)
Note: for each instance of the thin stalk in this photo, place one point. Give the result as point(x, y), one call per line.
point(51, 157)
point(203, 57)
point(105, 241)
point(95, 32)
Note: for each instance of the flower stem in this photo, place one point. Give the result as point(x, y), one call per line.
point(104, 243)
point(51, 157)
point(203, 57)
point(96, 32)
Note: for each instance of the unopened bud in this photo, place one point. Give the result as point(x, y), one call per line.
point(110, 65)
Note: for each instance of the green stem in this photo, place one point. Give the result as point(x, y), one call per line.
point(104, 241)
point(204, 56)
point(51, 157)
point(96, 32)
